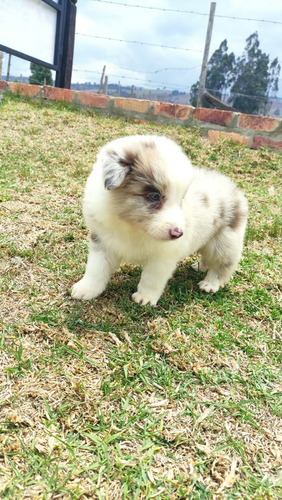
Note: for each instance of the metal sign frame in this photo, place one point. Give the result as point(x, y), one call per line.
point(64, 43)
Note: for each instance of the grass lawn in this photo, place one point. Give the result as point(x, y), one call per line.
point(108, 399)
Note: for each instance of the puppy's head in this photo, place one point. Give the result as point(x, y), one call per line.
point(147, 178)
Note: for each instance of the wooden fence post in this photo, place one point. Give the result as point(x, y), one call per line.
point(105, 89)
point(205, 56)
point(102, 80)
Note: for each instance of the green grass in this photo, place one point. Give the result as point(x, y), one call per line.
point(110, 400)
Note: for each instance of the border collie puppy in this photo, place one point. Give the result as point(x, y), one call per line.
point(145, 204)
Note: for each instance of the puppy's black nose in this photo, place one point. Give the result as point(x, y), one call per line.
point(175, 232)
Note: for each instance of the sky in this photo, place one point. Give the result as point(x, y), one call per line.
point(179, 24)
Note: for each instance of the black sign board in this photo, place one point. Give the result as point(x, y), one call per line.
point(40, 31)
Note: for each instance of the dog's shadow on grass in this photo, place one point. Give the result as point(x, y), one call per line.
point(115, 311)
point(181, 289)
point(115, 307)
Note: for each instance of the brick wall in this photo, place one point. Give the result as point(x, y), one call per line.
point(250, 130)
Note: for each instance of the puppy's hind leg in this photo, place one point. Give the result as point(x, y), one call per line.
point(216, 277)
point(221, 255)
point(100, 265)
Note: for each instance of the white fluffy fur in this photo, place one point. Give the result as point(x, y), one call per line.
point(126, 226)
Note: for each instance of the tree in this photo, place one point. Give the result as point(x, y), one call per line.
point(251, 79)
point(220, 71)
point(219, 74)
point(40, 75)
point(194, 91)
point(254, 79)
point(274, 72)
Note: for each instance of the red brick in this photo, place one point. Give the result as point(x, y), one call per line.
point(24, 89)
point(3, 85)
point(260, 141)
point(215, 116)
point(138, 105)
point(94, 100)
point(217, 135)
point(58, 94)
point(174, 110)
point(258, 122)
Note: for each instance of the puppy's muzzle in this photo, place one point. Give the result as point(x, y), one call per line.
point(175, 233)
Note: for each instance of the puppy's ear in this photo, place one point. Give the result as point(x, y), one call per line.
point(117, 166)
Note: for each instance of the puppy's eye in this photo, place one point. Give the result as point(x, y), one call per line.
point(154, 197)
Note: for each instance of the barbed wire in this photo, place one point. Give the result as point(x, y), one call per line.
point(148, 7)
point(146, 82)
point(232, 94)
point(132, 78)
point(144, 70)
point(152, 45)
point(237, 94)
point(163, 9)
point(138, 43)
point(145, 43)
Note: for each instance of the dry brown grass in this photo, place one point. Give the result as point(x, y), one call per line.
point(110, 400)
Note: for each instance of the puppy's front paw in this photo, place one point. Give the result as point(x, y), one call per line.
point(208, 287)
point(83, 290)
point(143, 299)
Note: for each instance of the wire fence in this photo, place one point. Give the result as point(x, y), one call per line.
point(180, 11)
point(148, 79)
point(142, 78)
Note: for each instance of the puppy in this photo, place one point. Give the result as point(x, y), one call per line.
point(144, 203)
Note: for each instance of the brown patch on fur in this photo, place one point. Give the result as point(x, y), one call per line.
point(149, 144)
point(237, 216)
point(205, 200)
point(221, 210)
point(128, 159)
point(226, 264)
point(95, 239)
point(146, 176)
